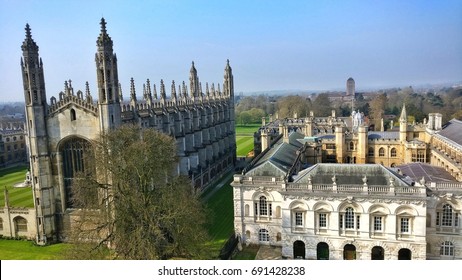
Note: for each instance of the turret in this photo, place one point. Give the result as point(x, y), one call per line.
point(36, 114)
point(403, 125)
point(194, 82)
point(108, 81)
point(340, 143)
point(361, 148)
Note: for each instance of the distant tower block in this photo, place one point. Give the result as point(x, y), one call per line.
point(350, 87)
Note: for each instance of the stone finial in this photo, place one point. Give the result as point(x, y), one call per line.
point(334, 179)
point(148, 88)
point(365, 179)
point(173, 91)
point(154, 90)
point(184, 90)
point(121, 97)
point(132, 91)
point(162, 90)
point(422, 181)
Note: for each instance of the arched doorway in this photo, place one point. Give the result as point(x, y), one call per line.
point(299, 249)
point(377, 253)
point(404, 254)
point(322, 251)
point(349, 252)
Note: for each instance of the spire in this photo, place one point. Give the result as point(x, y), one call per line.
point(184, 90)
point(403, 116)
point(132, 92)
point(88, 96)
point(228, 83)
point(148, 88)
point(193, 69)
point(103, 26)
point(162, 90)
point(154, 90)
point(104, 38)
point(193, 82)
point(29, 44)
point(121, 97)
point(66, 88)
point(173, 92)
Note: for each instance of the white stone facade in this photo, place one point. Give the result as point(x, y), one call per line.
point(344, 211)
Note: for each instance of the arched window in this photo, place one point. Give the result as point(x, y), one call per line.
point(246, 210)
point(393, 152)
point(263, 235)
point(349, 218)
point(73, 116)
point(263, 206)
point(263, 209)
point(371, 152)
point(77, 156)
point(381, 152)
point(20, 225)
point(447, 216)
point(352, 146)
point(447, 249)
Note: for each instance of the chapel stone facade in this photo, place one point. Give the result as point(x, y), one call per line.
point(60, 130)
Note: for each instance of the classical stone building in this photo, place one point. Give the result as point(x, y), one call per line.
point(327, 188)
point(61, 130)
point(13, 148)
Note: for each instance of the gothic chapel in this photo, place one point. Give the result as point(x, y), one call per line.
point(61, 132)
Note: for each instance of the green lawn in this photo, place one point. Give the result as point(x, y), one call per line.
point(27, 250)
point(221, 210)
point(244, 138)
point(19, 197)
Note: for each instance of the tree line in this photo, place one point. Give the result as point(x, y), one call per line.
point(380, 104)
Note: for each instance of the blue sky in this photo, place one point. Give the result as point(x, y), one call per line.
point(271, 45)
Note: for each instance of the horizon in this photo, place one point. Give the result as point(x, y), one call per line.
point(272, 46)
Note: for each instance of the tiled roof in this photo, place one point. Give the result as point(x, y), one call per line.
point(452, 131)
point(417, 170)
point(383, 135)
point(349, 174)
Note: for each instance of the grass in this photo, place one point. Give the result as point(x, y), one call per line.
point(247, 253)
point(221, 210)
point(19, 197)
point(27, 250)
point(219, 203)
point(244, 138)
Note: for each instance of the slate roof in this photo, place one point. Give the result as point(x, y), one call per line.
point(349, 174)
point(452, 131)
point(281, 155)
point(383, 135)
point(417, 170)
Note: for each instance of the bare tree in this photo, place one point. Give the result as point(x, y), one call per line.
point(133, 203)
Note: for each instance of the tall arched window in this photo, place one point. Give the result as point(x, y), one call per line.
point(349, 218)
point(393, 152)
point(446, 216)
point(381, 152)
point(263, 206)
point(77, 156)
point(263, 209)
point(73, 115)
